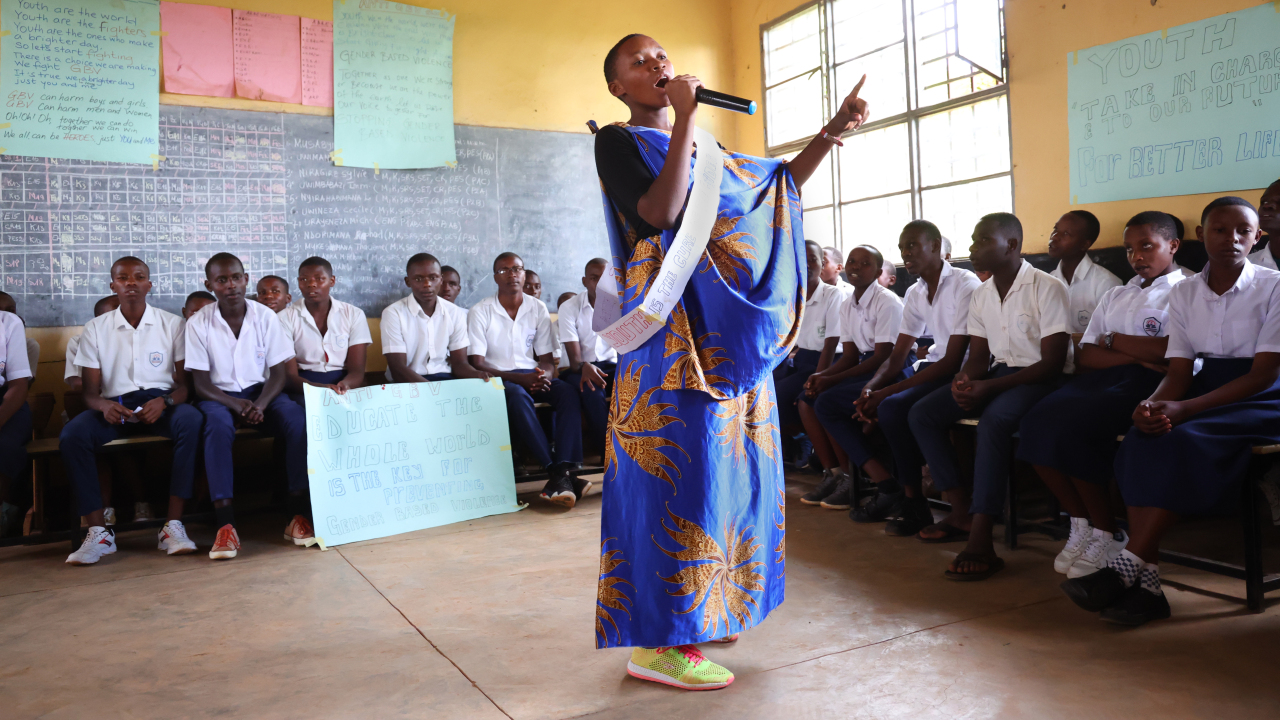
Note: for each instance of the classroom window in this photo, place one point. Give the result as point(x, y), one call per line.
point(937, 146)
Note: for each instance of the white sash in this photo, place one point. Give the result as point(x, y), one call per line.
point(630, 331)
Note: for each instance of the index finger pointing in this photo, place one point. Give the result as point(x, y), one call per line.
point(858, 88)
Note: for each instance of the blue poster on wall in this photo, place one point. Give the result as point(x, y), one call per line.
point(390, 459)
point(1190, 109)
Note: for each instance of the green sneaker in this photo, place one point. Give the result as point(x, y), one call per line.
point(682, 667)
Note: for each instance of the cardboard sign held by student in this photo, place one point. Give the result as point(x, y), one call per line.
point(395, 458)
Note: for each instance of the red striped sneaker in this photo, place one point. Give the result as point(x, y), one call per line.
point(226, 545)
point(299, 531)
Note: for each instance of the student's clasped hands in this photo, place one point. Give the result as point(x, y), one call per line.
point(248, 410)
point(969, 394)
point(536, 381)
point(1157, 417)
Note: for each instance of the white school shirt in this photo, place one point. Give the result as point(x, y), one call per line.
point(1243, 321)
point(875, 318)
point(130, 358)
point(505, 343)
point(822, 316)
point(948, 314)
point(72, 369)
point(1263, 257)
point(1089, 283)
point(575, 326)
point(1035, 306)
point(236, 363)
point(15, 363)
point(1134, 310)
point(426, 340)
point(344, 327)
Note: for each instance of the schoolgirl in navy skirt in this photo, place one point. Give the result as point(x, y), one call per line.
point(1188, 450)
point(1070, 436)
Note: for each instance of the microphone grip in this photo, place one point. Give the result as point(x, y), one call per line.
point(725, 102)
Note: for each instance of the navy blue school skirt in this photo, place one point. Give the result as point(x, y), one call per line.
point(1073, 429)
point(1198, 467)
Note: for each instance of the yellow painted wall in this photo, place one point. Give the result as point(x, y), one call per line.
point(1040, 34)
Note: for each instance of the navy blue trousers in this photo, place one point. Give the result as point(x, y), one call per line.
point(892, 413)
point(1073, 430)
point(933, 418)
point(284, 420)
point(594, 404)
point(13, 442)
point(1198, 467)
point(788, 382)
point(526, 430)
point(318, 377)
point(834, 408)
point(89, 431)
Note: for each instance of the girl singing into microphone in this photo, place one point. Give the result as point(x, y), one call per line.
point(692, 528)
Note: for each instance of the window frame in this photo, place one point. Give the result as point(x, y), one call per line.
point(911, 117)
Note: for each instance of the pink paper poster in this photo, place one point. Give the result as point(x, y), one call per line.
point(317, 62)
point(268, 52)
point(197, 50)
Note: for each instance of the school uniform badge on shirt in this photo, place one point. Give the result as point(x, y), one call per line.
point(156, 358)
point(1082, 317)
point(1151, 326)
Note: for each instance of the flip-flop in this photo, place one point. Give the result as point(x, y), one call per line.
point(951, 533)
point(993, 562)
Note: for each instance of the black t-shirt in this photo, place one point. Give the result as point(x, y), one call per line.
point(624, 174)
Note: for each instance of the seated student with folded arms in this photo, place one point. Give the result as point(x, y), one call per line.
point(450, 284)
point(195, 301)
point(1269, 222)
point(1070, 436)
point(502, 329)
point(15, 415)
point(134, 384)
point(424, 336)
point(817, 346)
point(237, 352)
point(1086, 281)
point(273, 291)
point(869, 321)
point(1188, 450)
point(938, 304)
point(330, 337)
point(592, 360)
point(1017, 351)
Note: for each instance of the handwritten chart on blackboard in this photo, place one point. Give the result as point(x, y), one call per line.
point(80, 79)
point(1190, 109)
point(392, 85)
point(261, 185)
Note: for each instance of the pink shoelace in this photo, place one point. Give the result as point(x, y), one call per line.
point(691, 653)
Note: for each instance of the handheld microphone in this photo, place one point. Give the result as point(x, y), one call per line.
point(721, 100)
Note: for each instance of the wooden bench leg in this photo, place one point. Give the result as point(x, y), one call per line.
point(1252, 535)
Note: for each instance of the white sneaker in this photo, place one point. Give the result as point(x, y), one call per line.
point(174, 540)
point(1076, 544)
point(100, 541)
point(1102, 549)
point(109, 516)
point(142, 511)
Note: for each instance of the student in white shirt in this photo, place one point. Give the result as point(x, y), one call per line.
point(330, 338)
point(562, 357)
point(1086, 281)
point(592, 360)
point(195, 301)
point(832, 268)
point(71, 372)
point(1188, 449)
point(1070, 436)
point(817, 342)
point(1269, 222)
point(236, 351)
point(869, 321)
point(424, 336)
point(450, 284)
point(502, 329)
point(937, 305)
point(15, 414)
point(1018, 344)
point(133, 384)
point(273, 291)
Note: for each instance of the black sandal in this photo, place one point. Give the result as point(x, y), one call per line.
point(993, 562)
point(950, 533)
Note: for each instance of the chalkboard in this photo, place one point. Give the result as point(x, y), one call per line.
point(261, 185)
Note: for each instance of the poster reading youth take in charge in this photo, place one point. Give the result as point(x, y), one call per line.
point(395, 458)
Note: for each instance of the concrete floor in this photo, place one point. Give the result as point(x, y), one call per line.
point(493, 619)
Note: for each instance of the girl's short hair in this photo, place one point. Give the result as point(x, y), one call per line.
point(1225, 201)
point(611, 58)
point(1161, 223)
point(875, 254)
